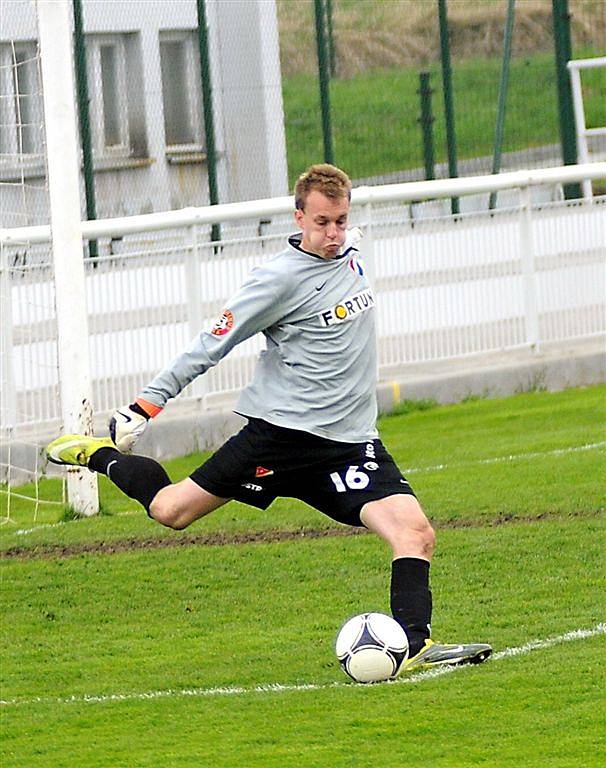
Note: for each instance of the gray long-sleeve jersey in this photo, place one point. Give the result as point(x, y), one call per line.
point(318, 371)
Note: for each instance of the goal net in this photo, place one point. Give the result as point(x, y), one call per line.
point(24, 302)
point(32, 404)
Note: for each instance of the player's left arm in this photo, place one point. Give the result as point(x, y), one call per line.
point(259, 304)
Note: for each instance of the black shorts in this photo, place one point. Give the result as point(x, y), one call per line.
point(264, 461)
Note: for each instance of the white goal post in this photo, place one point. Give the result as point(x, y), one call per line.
point(55, 39)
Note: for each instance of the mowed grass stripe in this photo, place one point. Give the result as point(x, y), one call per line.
point(455, 438)
point(239, 614)
point(513, 457)
point(266, 536)
point(574, 635)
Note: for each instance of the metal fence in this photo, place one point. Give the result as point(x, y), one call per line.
point(147, 77)
point(446, 286)
point(500, 57)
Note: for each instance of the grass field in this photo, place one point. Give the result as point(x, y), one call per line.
point(375, 113)
point(122, 649)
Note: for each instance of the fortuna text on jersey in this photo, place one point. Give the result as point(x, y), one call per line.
point(348, 308)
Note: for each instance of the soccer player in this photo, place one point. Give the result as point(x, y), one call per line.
point(311, 410)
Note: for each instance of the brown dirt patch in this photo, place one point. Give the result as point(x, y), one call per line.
point(218, 539)
point(221, 538)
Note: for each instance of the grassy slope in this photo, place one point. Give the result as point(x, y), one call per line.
point(265, 613)
point(374, 114)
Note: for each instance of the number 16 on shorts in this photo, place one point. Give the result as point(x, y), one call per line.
point(353, 479)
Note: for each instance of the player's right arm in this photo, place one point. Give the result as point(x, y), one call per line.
point(258, 304)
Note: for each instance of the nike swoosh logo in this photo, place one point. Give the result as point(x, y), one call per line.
point(319, 287)
point(125, 416)
point(109, 465)
point(55, 454)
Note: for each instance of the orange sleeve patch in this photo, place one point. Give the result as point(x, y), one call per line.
point(224, 324)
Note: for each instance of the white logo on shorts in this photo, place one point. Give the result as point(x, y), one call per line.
point(252, 487)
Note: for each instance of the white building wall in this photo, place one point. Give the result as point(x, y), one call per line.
point(247, 100)
point(251, 96)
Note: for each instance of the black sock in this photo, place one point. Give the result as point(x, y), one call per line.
point(411, 599)
point(137, 476)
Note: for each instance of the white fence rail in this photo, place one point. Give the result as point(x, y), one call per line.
point(575, 67)
point(446, 286)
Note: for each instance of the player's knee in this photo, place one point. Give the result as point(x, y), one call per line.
point(416, 536)
point(168, 512)
point(403, 524)
point(428, 538)
point(418, 527)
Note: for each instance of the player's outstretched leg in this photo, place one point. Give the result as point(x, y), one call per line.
point(137, 476)
point(76, 449)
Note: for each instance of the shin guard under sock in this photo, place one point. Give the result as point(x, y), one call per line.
point(137, 476)
point(411, 599)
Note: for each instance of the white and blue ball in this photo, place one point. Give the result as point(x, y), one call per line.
point(372, 647)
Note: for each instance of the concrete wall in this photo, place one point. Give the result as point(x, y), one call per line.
point(253, 114)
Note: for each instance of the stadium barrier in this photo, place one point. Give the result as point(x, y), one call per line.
point(448, 287)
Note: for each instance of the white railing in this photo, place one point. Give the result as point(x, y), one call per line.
point(409, 192)
point(446, 286)
point(575, 67)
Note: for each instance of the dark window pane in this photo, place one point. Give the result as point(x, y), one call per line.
point(177, 119)
point(25, 96)
point(111, 95)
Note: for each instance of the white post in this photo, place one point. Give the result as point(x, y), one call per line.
point(579, 119)
point(55, 37)
point(8, 398)
point(248, 77)
point(368, 246)
point(193, 288)
point(528, 271)
point(370, 267)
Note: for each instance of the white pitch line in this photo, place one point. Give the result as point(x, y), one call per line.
point(408, 471)
point(419, 677)
point(511, 457)
point(25, 531)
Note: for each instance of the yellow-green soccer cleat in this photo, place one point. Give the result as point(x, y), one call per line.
point(439, 654)
point(76, 449)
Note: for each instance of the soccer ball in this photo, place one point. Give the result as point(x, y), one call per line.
point(372, 647)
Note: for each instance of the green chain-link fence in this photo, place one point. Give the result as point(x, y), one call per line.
point(376, 53)
point(148, 75)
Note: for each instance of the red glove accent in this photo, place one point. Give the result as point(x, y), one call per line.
point(149, 409)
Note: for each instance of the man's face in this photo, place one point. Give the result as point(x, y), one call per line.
point(323, 224)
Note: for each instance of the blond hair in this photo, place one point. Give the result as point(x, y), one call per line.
point(325, 178)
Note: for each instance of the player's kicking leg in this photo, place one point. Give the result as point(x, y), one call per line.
point(401, 522)
point(174, 505)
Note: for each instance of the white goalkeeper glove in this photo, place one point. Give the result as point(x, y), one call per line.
point(352, 237)
point(129, 422)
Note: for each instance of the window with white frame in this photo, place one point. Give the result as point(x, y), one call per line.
point(21, 113)
point(106, 58)
point(181, 91)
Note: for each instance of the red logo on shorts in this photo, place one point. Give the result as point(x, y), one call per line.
point(262, 472)
point(224, 324)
